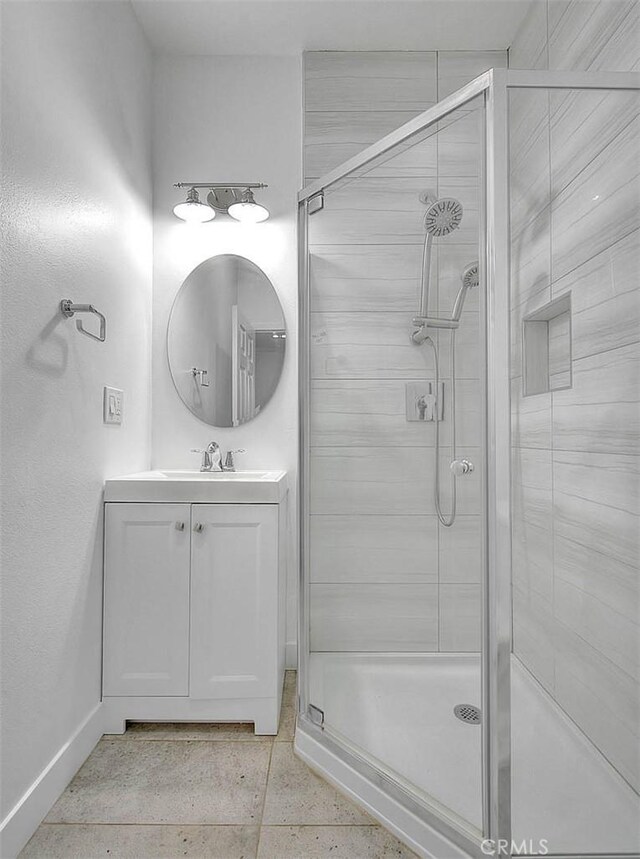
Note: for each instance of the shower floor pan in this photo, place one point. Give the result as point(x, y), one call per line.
point(398, 709)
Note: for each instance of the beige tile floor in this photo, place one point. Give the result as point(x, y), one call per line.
point(214, 791)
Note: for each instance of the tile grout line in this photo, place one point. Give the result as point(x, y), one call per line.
point(266, 784)
point(252, 742)
point(373, 825)
point(437, 142)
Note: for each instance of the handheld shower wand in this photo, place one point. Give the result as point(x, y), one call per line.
point(470, 279)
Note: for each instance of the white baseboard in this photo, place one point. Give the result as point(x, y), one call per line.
point(118, 710)
point(27, 814)
point(291, 655)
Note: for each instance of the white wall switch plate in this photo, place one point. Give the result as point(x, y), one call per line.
point(113, 404)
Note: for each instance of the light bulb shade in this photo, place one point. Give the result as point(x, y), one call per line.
point(192, 210)
point(247, 210)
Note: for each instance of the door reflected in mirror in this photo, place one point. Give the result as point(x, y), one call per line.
point(226, 341)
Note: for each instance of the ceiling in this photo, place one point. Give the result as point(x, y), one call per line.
point(279, 27)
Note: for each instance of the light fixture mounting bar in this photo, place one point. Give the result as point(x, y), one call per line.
point(213, 185)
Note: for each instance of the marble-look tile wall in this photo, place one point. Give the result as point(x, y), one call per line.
point(576, 466)
point(386, 576)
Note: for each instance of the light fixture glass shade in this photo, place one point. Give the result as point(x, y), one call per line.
point(247, 210)
point(192, 210)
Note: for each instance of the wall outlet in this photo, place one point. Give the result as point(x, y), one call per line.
point(112, 405)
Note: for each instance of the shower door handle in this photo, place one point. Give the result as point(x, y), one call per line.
point(460, 467)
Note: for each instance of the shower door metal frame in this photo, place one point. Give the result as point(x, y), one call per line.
point(496, 586)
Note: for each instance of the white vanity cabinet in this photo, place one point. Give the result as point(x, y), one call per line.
point(193, 613)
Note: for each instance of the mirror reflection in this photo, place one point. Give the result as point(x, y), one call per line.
point(226, 341)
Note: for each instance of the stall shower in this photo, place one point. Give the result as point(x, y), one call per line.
point(432, 683)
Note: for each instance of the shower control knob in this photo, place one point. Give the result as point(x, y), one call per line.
point(461, 466)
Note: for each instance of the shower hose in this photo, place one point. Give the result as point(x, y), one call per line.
point(447, 520)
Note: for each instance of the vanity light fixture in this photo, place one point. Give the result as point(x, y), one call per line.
point(192, 210)
point(234, 199)
point(247, 210)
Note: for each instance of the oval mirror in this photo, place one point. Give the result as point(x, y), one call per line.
point(226, 341)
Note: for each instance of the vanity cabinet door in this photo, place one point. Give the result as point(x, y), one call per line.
point(146, 599)
point(234, 600)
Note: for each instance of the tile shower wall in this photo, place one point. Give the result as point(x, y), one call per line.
point(575, 226)
point(385, 575)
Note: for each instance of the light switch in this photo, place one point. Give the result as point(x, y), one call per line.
point(112, 405)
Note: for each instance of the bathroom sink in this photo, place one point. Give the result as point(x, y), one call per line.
point(200, 487)
point(215, 475)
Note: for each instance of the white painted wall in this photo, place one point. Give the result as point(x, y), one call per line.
point(234, 119)
point(76, 81)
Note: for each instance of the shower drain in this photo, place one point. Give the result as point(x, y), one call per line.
point(467, 713)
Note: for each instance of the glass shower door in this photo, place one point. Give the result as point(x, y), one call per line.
point(395, 473)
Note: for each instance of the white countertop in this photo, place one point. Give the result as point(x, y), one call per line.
point(199, 487)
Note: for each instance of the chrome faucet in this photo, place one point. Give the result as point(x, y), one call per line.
point(211, 457)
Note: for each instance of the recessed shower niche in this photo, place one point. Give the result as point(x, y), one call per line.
point(546, 347)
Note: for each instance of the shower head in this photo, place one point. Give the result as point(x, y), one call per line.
point(471, 275)
point(443, 217)
point(470, 279)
